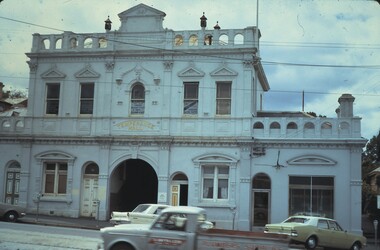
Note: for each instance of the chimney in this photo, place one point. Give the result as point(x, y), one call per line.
point(346, 107)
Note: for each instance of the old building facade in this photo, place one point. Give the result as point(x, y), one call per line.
point(145, 114)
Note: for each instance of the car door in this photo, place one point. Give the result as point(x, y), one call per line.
point(169, 232)
point(339, 238)
point(323, 233)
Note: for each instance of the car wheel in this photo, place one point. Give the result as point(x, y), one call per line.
point(11, 216)
point(122, 246)
point(311, 242)
point(356, 246)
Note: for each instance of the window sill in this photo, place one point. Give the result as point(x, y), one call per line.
point(221, 204)
point(48, 198)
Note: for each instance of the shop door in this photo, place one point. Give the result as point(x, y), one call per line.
point(89, 206)
point(260, 208)
point(12, 187)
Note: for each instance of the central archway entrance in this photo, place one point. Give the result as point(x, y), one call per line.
point(132, 182)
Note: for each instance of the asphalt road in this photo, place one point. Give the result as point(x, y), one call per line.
point(17, 236)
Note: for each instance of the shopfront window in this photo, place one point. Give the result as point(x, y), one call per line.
point(311, 196)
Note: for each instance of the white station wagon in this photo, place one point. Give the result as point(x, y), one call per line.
point(142, 214)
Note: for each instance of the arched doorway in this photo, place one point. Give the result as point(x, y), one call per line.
point(12, 180)
point(132, 182)
point(179, 190)
point(89, 202)
point(261, 187)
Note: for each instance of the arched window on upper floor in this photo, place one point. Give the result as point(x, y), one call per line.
point(239, 39)
point(275, 125)
point(258, 125)
point(292, 125)
point(138, 99)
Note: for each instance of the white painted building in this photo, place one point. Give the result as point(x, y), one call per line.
point(146, 114)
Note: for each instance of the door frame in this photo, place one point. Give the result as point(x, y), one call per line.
point(268, 191)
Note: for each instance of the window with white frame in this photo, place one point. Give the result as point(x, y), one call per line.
point(55, 178)
point(223, 98)
point(190, 99)
point(138, 100)
point(52, 98)
point(215, 182)
point(86, 98)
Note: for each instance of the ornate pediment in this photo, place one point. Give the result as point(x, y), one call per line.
point(205, 159)
point(191, 72)
point(141, 18)
point(141, 10)
point(223, 71)
point(53, 73)
point(311, 160)
point(55, 156)
point(87, 72)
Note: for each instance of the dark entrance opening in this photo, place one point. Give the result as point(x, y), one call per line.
point(133, 182)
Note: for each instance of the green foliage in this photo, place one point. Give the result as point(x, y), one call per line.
point(370, 161)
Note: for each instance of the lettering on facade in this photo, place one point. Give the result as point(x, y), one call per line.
point(135, 125)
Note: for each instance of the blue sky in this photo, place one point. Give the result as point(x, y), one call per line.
point(322, 47)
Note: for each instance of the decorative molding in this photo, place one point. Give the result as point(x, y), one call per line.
point(87, 72)
point(311, 160)
point(53, 73)
point(248, 64)
point(223, 72)
point(168, 65)
point(245, 180)
point(356, 182)
point(109, 65)
point(33, 65)
point(191, 71)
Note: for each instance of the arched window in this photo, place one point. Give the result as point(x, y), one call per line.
point(92, 169)
point(258, 125)
point(193, 40)
point(223, 40)
point(239, 39)
point(58, 43)
point(138, 99)
point(88, 43)
point(291, 125)
point(178, 40)
point(73, 43)
point(275, 125)
point(309, 125)
point(261, 181)
point(46, 43)
point(102, 42)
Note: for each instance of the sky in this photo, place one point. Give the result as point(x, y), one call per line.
point(322, 48)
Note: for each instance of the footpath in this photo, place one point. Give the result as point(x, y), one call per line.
point(93, 224)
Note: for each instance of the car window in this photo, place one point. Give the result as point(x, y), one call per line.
point(335, 226)
point(171, 221)
point(322, 224)
point(159, 209)
point(296, 220)
point(140, 208)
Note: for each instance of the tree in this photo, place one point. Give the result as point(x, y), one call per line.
point(370, 161)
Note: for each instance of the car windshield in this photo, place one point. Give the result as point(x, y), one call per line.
point(141, 208)
point(296, 220)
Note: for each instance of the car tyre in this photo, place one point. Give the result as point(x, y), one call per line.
point(311, 242)
point(11, 216)
point(356, 246)
point(122, 246)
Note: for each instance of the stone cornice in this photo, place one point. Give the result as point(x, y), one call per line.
point(107, 141)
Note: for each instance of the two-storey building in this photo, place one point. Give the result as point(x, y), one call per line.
point(144, 114)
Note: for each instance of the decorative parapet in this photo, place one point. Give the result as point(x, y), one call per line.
point(305, 127)
point(109, 41)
